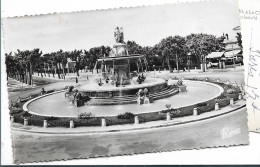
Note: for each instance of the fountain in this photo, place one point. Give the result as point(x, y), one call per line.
point(116, 90)
point(120, 84)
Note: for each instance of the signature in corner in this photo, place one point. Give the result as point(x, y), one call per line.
point(228, 133)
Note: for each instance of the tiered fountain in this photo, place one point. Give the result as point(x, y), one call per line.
point(118, 85)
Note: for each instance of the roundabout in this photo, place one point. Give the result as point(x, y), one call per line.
point(122, 92)
point(56, 105)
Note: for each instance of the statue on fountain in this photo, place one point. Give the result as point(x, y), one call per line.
point(120, 48)
point(119, 35)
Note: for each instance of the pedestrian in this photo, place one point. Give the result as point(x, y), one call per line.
point(76, 79)
point(43, 91)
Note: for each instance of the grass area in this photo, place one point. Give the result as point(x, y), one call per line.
point(35, 120)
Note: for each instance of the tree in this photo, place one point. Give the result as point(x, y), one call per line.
point(171, 48)
point(50, 62)
point(64, 61)
point(166, 53)
point(75, 56)
point(239, 39)
point(58, 57)
point(134, 48)
point(30, 58)
point(10, 64)
point(201, 45)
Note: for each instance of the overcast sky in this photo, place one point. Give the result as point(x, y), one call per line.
point(145, 25)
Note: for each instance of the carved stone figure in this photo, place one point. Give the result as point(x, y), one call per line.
point(119, 35)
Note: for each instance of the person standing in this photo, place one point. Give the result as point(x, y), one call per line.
point(43, 91)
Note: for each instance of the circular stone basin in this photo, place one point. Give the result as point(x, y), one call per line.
point(92, 89)
point(57, 105)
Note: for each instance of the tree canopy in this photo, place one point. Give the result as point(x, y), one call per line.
point(172, 51)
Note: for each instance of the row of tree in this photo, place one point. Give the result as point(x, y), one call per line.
point(172, 51)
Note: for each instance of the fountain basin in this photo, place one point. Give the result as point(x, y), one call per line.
point(57, 105)
point(108, 90)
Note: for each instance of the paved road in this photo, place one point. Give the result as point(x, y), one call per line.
point(29, 147)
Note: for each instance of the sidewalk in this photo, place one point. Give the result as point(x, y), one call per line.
point(83, 75)
point(238, 106)
point(14, 85)
point(69, 76)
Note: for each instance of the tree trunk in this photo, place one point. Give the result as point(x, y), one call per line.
point(30, 74)
point(57, 71)
point(23, 77)
point(78, 72)
point(177, 62)
point(26, 74)
point(63, 70)
point(41, 72)
point(163, 63)
point(20, 76)
point(203, 63)
point(168, 62)
point(60, 70)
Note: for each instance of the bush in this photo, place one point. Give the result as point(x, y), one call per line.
point(127, 115)
point(223, 102)
point(15, 110)
point(175, 111)
point(50, 118)
point(85, 115)
point(35, 122)
point(151, 117)
point(234, 96)
point(26, 115)
point(221, 97)
point(230, 91)
point(209, 107)
point(94, 121)
point(50, 91)
point(226, 87)
point(59, 123)
point(201, 104)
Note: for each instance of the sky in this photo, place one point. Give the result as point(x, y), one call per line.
point(145, 25)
